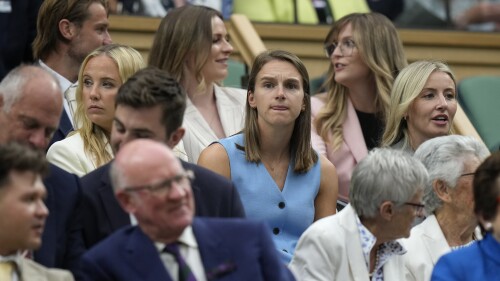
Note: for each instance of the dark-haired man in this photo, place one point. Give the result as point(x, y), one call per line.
point(150, 105)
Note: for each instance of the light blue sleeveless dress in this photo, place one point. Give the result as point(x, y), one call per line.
point(288, 212)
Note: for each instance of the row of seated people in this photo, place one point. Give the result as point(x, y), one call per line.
point(466, 14)
point(272, 123)
point(151, 184)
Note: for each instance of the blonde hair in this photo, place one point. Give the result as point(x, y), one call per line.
point(379, 46)
point(128, 61)
point(406, 89)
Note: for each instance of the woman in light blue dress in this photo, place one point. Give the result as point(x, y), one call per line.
point(280, 178)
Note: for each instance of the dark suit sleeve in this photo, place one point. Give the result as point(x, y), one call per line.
point(62, 243)
point(215, 196)
point(75, 247)
point(237, 209)
point(91, 271)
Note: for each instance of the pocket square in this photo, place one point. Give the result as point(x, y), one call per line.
point(221, 270)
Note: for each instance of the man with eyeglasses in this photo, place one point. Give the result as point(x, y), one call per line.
point(361, 241)
point(449, 202)
point(150, 105)
point(169, 243)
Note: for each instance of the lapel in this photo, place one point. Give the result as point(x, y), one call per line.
point(353, 136)
point(29, 271)
point(117, 217)
point(229, 112)
point(433, 239)
point(212, 251)
point(142, 255)
point(354, 252)
point(65, 124)
point(50, 233)
point(198, 199)
point(195, 124)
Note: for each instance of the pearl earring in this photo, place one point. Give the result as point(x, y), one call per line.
point(488, 226)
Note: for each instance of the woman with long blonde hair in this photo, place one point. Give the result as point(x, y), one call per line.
point(366, 54)
point(102, 73)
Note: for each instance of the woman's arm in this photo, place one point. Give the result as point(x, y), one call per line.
point(215, 158)
point(326, 200)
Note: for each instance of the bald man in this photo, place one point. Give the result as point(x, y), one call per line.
point(151, 184)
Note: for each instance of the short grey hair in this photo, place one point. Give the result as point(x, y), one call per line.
point(445, 158)
point(385, 175)
point(12, 85)
point(117, 177)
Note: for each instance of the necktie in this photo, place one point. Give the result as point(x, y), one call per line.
point(185, 273)
point(6, 269)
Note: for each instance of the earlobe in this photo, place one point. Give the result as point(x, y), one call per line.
point(125, 201)
point(441, 190)
point(386, 210)
point(66, 28)
point(251, 99)
point(176, 137)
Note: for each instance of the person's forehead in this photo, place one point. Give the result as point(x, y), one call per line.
point(96, 13)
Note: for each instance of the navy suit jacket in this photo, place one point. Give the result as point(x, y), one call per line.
point(230, 249)
point(62, 242)
point(63, 130)
point(214, 196)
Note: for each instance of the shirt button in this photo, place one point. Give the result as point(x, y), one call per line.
point(281, 205)
point(276, 231)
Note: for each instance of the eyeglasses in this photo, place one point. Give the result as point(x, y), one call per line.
point(467, 174)
point(419, 208)
point(164, 187)
point(346, 48)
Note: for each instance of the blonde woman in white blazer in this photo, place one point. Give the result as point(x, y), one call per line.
point(192, 44)
point(102, 73)
point(360, 242)
point(448, 198)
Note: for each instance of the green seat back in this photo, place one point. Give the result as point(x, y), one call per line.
point(480, 99)
point(236, 70)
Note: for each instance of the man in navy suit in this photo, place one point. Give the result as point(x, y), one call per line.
point(67, 31)
point(168, 244)
point(150, 105)
point(30, 106)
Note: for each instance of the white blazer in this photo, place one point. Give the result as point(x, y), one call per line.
point(330, 249)
point(425, 246)
point(68, 154)
point(231, 106)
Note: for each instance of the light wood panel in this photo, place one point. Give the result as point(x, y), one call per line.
point(467, 53)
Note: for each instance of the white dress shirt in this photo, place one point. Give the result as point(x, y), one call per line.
point(65, 84)
point(189, 251)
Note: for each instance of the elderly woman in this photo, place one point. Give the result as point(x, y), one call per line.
point(280, 178)
point(359, 243)
point(481, 261)
point(365, 55)
point(423, 105)
point(451, 162)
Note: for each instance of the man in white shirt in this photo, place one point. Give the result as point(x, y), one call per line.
point(67, 31)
